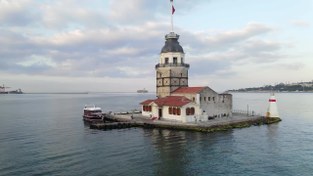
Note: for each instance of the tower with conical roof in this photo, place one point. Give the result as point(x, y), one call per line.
point(171, 71)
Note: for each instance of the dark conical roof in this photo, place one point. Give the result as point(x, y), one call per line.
point(172, 44)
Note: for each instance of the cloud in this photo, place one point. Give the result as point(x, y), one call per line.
point(242, 46)
point(139, 11)
point(300, 23)
point(124, 51)
point(16, 13)
point(122, 40)
point(295, 66)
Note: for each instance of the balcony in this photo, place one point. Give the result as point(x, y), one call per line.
point(172, 65)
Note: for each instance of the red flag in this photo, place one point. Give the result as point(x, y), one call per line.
point(173, 9)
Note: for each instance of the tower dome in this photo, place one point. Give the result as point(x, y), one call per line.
point(172, 44)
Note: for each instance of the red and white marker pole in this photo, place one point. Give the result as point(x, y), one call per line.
point(272, 110)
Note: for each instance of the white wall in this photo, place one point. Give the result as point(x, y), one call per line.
point(170, 56)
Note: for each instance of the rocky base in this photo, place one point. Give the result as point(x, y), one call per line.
point(224, 127)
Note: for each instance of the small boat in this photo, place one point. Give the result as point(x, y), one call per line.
point(92, 113)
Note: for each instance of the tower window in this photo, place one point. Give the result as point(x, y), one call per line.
point(175, 60)
point(166, 60)
point(182, 60)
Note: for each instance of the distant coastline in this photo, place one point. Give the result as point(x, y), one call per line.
point(300, 87)
point(269, 92)
point(56, 93)
point(85, 92)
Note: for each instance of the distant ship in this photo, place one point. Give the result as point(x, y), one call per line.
point(18, 91)
point(142, 91)
point(3, 91)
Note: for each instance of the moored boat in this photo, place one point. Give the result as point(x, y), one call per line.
point(92, 113)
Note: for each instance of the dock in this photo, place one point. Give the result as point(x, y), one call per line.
point(128, 120)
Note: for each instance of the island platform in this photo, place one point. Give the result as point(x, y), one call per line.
point(128, 119)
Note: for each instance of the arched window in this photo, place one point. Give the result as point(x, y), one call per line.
point(166, 60)
point(192, 111)
point(174, 60)
point(150, 109)
point(187, 111)
point(174, 111)
point(178, 111)
point(170, 110)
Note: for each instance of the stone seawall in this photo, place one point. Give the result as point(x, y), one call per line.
point(237, 121)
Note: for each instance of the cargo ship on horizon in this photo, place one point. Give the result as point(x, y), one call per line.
point(142, 91)
point(4, 91)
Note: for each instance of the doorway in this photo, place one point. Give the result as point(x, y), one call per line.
point(160, 114)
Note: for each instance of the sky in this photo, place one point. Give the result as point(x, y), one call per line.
point(113, 46)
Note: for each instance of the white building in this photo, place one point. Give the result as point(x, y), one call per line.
point(175, 100)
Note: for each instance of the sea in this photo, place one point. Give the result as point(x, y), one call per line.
point(43, 134)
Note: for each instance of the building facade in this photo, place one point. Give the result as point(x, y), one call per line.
point(171, 71)
point(175, 99)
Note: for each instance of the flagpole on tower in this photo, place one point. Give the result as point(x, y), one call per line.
point(172, 12)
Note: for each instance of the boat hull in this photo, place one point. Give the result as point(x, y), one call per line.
point(88, 118)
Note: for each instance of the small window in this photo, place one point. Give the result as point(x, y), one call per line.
point(175, 60)
point(178, 111)
point(209, 98)
point(174, 111)
point(182, 60)
point(193, 99)
point(213, 98)
point(192, 111)
point(166, 60)
point(187, 111)
point(147, 108)
point(204, 98)
point(170, 110)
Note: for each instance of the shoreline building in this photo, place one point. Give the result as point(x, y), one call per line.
point(175, 99)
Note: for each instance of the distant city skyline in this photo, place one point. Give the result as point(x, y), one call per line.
point(113, 46)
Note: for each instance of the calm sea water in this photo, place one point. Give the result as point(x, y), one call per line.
point(42, 134)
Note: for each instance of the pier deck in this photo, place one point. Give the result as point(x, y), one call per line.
point(218, 124)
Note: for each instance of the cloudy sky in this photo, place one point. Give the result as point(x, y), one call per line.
point(113, 45)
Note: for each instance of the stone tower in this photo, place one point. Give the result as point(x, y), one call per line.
point(171, 71)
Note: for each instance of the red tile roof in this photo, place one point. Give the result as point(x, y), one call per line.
point(172, 101)
point(146, 102)
point(188, 90)
point(169, 101)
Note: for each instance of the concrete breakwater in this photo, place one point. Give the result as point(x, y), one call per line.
point(136, 120)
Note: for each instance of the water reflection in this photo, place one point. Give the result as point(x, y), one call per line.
point(170, 151)
point(182, 152)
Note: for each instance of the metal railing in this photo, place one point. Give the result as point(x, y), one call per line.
point(172, 65)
